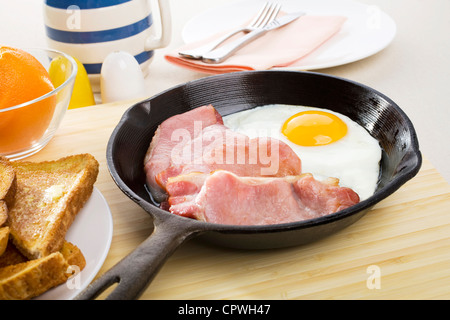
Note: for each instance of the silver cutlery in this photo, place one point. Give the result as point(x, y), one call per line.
point(265, 15)
point(220, 54)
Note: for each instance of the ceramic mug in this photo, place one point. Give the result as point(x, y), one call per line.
point(91, 29)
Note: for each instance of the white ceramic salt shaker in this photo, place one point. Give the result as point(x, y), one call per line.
point(121, 78)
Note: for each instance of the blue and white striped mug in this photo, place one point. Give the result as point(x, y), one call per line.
point(91, 29)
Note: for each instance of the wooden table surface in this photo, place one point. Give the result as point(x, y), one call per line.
point(399, 250)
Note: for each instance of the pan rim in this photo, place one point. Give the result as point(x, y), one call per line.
point(391, 186)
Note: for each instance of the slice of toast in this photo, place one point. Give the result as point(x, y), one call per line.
point(8, 185)
point(71, 253)
point(49, 194)
point(29, 279)
point(32, 278)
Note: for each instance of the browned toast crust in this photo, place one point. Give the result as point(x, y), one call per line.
point(7, 181)
point(4, 236)
point(8, 186)
point(3, 212)
point(73, 255)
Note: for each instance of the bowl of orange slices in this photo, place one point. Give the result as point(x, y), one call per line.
point(35, 90)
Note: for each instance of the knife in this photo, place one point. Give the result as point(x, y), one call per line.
point(220, 54)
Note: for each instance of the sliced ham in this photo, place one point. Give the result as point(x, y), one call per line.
point(219, 148)
point(225, 198)
point(158, 156)
point(197, 141)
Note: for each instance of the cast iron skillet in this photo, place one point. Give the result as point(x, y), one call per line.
point(229, 93)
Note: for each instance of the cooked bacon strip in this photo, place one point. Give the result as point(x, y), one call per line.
point(158, 157)
point(199, 142)
point(225, 198)
point(234, 152)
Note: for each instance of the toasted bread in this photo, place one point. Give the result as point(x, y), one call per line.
point(4, 236)
point(8, 185)
point(73, 255)
point(31, 278)
point(49, 195)
point(11, 256)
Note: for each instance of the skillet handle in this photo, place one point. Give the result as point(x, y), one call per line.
point(135, 272)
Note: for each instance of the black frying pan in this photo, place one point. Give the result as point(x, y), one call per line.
point(229, 93)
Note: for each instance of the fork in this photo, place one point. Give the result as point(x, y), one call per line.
point(265, 15)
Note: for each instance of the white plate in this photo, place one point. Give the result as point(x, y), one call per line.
point(367, 31)
point(92, 232)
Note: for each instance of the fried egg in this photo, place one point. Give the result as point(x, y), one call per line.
point(328, 143)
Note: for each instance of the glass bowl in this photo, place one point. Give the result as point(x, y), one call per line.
point(27, 128)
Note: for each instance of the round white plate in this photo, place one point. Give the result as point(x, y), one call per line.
point(367, 30)
point(92, 232)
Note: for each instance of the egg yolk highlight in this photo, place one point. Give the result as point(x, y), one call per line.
point(314, 128)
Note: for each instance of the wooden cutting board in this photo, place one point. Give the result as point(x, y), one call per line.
point(399, 250)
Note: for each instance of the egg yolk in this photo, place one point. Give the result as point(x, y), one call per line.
point(314, 128)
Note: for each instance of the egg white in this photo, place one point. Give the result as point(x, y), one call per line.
point(354, 159)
